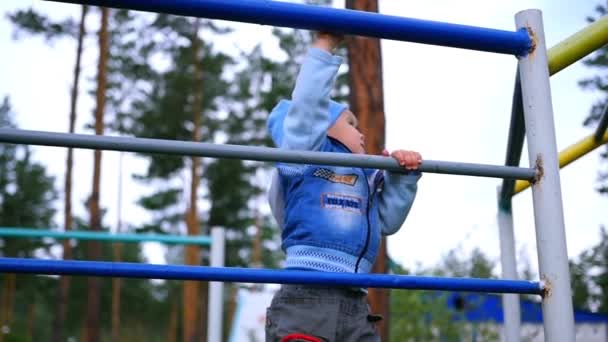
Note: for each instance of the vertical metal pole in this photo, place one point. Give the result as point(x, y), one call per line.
point(602, 126)
point(558, 315)
point(508, 263)
point(216, 289)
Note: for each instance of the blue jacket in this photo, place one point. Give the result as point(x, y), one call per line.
point(331, 217)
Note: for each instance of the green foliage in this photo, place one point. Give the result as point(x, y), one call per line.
point(27, 196)
point(26, 192)
point(31, 22)
point(579, 279)
point(148, 100)
point(599, 82)
point(425, 316)
point(589, 277)
point(421, 316)
point(150, 93)
point(144, 310)
point(454, 264)
point(236, 101)
point(589, 271)
point(161, 106)
point(144, 303)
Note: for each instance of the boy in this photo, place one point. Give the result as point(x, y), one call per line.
point(331, 218)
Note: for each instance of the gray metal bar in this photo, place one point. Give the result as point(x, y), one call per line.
point(508, 264)
point(216, 289)
point(267, 154)
point(603, 125)
point(515, 144)
point(508, 260)
point(558, 314)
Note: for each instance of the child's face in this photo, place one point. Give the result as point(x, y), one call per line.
point(345, 130)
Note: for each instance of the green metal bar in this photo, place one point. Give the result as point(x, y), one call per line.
point(100, 236)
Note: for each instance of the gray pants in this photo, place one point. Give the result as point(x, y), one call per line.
point(325, 313)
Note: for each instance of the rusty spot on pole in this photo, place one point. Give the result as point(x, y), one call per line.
point(540, 170)
point(546, 286)
point(534, 40)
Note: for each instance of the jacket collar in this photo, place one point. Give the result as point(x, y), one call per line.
point(377, 175)
point(339, 144)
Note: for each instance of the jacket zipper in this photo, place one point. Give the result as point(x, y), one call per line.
point(368, 227)
point(369, 204)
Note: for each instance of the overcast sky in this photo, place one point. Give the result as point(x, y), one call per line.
point(449, 104)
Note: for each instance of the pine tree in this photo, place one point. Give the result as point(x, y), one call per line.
point(27, 194)
point(29, 21)
point(94, 248)
point(234, 111)
point(182, 104)
point(589, 271)
point(598, 61)
point(235, 100)
point(34, 23)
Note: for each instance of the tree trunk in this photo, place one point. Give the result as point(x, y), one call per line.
point(64, 281)
point(94, 247)
point(31, 314)
point(116, 284)
point(256, 254)
point(191, 288)
point(8, 301)
point(83, 330)
point(367, 102)
point(172, 331)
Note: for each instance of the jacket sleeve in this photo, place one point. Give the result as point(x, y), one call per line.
point(396, 199)
point(307, 121)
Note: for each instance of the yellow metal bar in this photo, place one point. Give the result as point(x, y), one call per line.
point(561, 56)
point(578, 45)
point(570, 154)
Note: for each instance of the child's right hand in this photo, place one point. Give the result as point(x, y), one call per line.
point(327, 41)
point(409, 160)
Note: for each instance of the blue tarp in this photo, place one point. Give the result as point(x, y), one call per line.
point(483, 308)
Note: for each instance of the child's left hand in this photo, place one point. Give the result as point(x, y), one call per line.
point(410, 160)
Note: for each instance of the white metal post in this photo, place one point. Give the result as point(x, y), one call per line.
point(558, 314)
point(508, 264)
point(216, 289)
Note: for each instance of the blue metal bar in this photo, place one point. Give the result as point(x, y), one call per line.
point(189, 148)
point(100, 236)
point(247, 275)
point(284, 14)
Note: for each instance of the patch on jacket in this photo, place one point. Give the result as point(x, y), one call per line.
point(334, 177)
point(343, 202)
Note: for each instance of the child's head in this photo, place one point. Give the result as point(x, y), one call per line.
point(343, 125)
point(345, 130)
